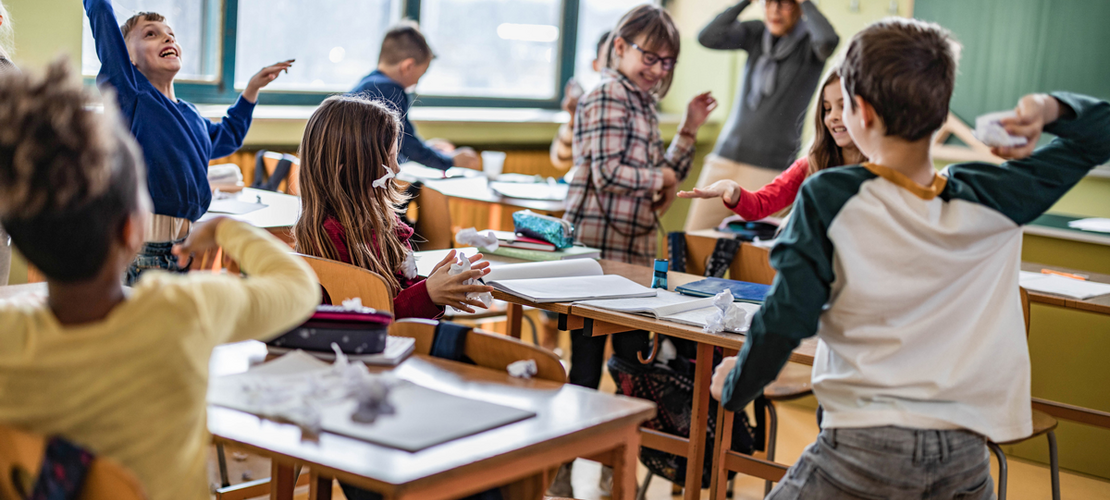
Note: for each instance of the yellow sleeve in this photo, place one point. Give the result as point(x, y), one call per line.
point(279, 291)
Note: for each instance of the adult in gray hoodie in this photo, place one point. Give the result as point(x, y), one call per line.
point(787, 51)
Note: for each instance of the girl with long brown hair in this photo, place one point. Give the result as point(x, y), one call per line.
point(832, 147)
point(349, 207)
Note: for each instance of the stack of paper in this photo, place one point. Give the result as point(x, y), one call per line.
point(563, 281)
point(1091, 224)
point(1059, 285)
point(675, 307)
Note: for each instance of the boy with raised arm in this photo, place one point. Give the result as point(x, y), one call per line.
point(139, 61)
point(910, 278)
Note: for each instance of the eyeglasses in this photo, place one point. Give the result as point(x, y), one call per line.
point(650, 58)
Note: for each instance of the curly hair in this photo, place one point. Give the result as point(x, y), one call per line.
point(69, 175)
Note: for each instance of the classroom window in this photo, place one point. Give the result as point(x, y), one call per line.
point(492, 48)
point(595, 17)
point(196, 24)
point(335, 42)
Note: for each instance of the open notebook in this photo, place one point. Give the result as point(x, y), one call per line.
point(675, 307)
point(563, 281)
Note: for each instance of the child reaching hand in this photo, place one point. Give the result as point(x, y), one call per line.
point(832, 147)
point(122, 373)
point(350, 213)
point(139, 62)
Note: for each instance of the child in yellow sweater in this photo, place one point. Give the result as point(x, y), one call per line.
point(121, 372)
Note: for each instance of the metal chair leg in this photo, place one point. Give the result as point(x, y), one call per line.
point(1001, 469)
point(1054, 464)
point(643, 487)
point(535, 331)
point(772, 433)
point(225, 481)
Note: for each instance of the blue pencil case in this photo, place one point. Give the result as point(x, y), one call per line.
point(553, 230)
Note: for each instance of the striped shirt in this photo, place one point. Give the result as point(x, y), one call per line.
point(618, 157)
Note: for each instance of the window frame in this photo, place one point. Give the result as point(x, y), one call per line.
point(222, 90)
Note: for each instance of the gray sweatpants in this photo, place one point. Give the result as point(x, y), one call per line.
point(890, 463)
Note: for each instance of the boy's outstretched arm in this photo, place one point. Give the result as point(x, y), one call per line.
point(115, 63)
point(1033, 180)
point(227, 135)
point(803, 258)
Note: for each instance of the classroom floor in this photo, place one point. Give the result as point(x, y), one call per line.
point(797, 429)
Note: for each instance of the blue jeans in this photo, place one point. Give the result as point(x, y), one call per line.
point(155, 255)
point(890, 463)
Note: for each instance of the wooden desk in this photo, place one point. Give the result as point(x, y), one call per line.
point(570, 422)
point(1056, 226)
point(477, 189)
point(1098, 305)
point(279, 216)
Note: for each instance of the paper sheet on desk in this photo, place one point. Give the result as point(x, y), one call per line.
point(1091, 224)
point(670, 306)
point(234, 207)
point(1059, 285)
point(424, 417)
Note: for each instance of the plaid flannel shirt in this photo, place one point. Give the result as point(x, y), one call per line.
point(617, 143)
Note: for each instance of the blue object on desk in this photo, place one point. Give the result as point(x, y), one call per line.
point(742, 291)
point(659, 280)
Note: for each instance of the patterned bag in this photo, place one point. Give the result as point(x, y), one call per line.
point(671, 388)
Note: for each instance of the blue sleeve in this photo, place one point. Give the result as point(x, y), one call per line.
point(1024, 189)
point(227, 136)
point(803, 258)
point(413, 148)
point(115, 63)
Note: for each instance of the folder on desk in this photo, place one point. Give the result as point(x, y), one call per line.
point(742, 291)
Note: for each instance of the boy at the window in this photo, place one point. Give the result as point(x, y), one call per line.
point(139, 61)
point(404, 58)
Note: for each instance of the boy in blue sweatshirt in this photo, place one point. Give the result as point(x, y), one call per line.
point(910, 278)
point(404, 58)
point(139, 61)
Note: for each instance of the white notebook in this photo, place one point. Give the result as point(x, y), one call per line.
point(563, 281)
point(671, 306)
point(1068, 287)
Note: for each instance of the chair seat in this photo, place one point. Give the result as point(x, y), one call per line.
point(792, 383)
point(1042, 423)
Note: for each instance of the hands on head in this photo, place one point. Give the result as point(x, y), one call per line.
point(447, 290)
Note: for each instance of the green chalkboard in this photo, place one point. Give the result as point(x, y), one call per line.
point(1015, 47)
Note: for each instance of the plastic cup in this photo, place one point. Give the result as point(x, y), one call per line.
point(492, 163)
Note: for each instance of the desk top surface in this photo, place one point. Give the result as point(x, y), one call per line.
point(477, 188)
point(281, 211)
point(563, 412)
point(1056, 226)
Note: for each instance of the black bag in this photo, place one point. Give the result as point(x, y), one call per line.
point(671, 388)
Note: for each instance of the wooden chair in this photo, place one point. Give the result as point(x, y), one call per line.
point(344, 281)
point(1043, 424)
point(21, 456)
point(433, 220)
point(270, 161)
point(487, 350)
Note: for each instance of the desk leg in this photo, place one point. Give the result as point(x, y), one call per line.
point(718, 485)
point(282, 481)
point(319, 487)
point(625, 458)
point(695, 451)
point(515, 317)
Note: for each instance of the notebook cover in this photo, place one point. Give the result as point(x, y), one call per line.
point(742, 291)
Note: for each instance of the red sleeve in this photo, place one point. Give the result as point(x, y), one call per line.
point(414, 302)
point(338, 239)
point(777, 195)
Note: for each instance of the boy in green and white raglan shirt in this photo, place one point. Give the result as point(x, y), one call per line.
point(911, 280)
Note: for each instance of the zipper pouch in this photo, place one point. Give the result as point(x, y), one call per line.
point(553, 230)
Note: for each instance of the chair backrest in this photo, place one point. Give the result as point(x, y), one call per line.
point(344, 281)
point(488, 350)
point(433, 220)
point(21, 457)
point(751, 263)
point(270, 161)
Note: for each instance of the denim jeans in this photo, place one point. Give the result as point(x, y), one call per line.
point(890, 463)
point(154, 255)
